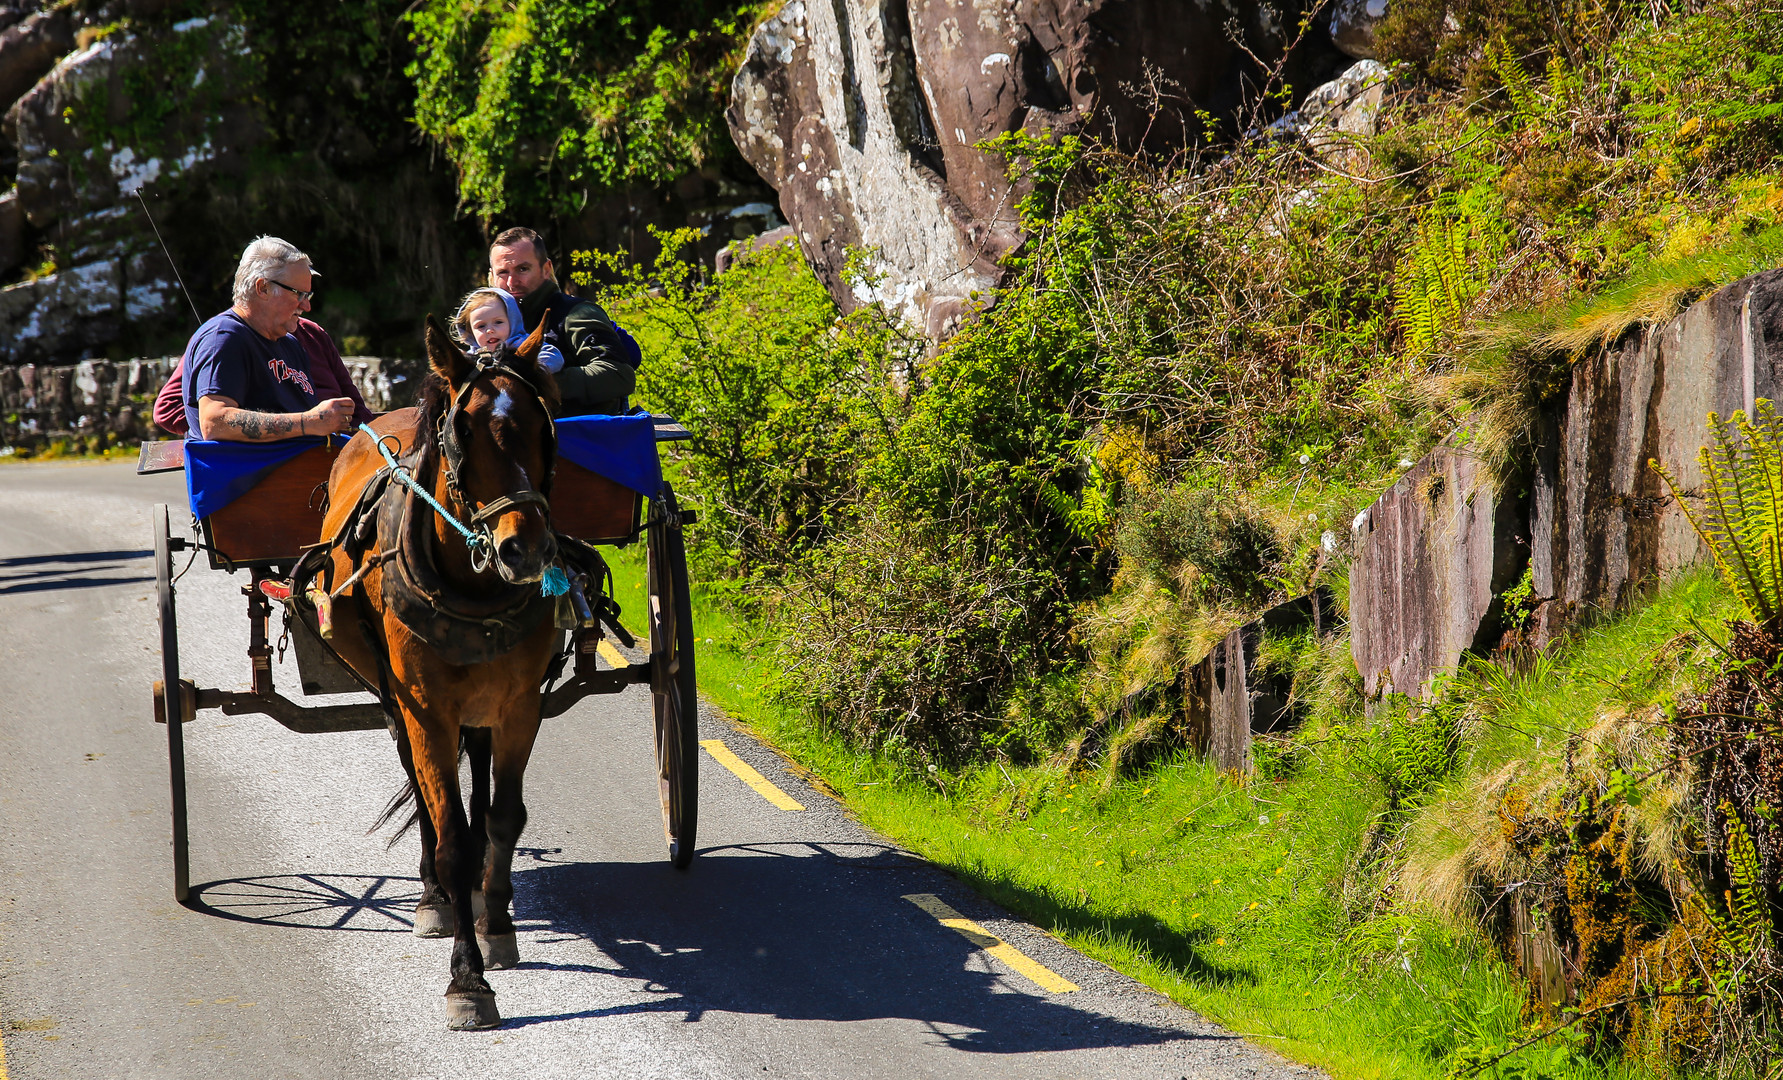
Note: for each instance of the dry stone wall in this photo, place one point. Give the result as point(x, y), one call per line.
point(109, 403)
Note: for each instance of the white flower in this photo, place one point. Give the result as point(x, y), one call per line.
point(1328, 540)
point(1305, 459)
point(1405, 463)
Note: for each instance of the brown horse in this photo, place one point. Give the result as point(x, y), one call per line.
point(458, 637)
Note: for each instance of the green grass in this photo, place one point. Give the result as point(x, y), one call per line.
point(1252, 903)
point(1644, 658)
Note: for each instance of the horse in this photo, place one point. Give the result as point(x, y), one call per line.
point(454, 631)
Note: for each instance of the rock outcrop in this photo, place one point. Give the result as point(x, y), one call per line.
point(1432, 556)
point(80, 170)
point(867, 116)
point(1436, 552)
point(1230, 700)
point(1606, 524)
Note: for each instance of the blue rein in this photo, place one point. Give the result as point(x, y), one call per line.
point(554, 583)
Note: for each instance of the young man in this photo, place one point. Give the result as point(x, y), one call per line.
point(247, 376)
point(599, 364)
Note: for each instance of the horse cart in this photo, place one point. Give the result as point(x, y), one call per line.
point(257, 508)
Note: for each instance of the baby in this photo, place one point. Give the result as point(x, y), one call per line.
point(490, 317)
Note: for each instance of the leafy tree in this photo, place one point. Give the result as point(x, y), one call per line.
point(543, 107)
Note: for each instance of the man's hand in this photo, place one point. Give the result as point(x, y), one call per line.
point(334, 416)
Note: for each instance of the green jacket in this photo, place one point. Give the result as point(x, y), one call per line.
point(594, 379)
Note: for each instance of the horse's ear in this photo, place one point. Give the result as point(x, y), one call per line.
point(443, 355)
point(529, 349)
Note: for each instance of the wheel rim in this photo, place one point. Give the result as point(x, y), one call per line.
point(674, 691)
point(173, 703)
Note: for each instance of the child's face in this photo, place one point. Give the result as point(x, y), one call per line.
point(489, 325)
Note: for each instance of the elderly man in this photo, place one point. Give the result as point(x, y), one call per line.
point(247, 377)
point(599, 362)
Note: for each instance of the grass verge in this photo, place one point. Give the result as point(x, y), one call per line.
point(1256, 903)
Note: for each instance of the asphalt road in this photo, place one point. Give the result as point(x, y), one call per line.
point(788, 948)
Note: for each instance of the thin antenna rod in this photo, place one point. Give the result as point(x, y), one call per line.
point(169, 254)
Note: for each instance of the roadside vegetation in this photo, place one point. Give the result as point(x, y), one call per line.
point(963, 584)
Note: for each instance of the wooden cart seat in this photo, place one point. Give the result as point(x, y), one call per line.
point(278, 517)
point(592, 508)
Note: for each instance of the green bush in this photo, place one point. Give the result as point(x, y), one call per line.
point(783, 400)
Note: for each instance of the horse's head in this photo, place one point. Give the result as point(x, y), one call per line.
point(497, 445)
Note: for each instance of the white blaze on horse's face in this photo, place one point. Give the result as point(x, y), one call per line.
point(522, 537)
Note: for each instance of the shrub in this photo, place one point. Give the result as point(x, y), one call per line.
point(783, 401)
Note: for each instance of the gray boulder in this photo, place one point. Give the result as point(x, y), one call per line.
point(1353, 25)
point(867, 117)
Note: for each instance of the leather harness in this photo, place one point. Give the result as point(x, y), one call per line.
point(461, 630)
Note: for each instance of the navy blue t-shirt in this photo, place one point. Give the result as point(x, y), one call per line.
point(228, 358)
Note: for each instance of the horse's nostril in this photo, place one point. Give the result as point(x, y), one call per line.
point(511, 551)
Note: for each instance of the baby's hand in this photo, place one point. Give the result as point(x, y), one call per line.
point(550, 359)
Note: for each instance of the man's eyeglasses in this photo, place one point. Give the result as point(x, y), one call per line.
point(299, 293)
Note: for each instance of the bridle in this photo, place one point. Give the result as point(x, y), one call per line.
point(479, 537)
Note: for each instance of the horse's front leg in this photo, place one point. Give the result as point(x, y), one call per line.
point(470, 1003)
point(513, 741)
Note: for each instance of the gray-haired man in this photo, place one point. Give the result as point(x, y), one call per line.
point(247, 377)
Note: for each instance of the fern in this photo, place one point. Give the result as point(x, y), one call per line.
point(1519, 84)
point(1745, 901)
point(1450, 262)
point(1742, 517)
point(1088, 518)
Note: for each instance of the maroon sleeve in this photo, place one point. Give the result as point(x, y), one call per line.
point(170, 403)
point(328, 371)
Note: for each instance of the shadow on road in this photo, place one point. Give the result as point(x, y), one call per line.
point(796, 931)
point(801, 931)
point(367, 903)
point(69, 570)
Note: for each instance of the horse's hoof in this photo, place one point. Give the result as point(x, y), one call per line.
point(435, 920)
point(472, 1012)
point(499, 951)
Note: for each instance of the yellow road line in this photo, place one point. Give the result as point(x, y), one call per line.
point(608, 653)
point(1038, 974)
point(762, 785)
point(3, 1057)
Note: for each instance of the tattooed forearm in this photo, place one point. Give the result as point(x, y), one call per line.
point(256, 426)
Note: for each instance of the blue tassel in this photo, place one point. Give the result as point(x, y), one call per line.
point(555, 582)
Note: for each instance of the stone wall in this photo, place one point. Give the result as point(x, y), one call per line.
point(106, 403)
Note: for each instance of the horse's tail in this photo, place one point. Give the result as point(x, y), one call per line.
point(404, 805)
